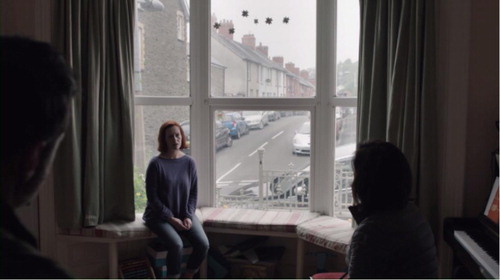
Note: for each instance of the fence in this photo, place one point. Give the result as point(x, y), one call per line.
point(289, 189)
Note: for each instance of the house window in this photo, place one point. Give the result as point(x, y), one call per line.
point(249, 72)
point(256, 146)
point(181, 26)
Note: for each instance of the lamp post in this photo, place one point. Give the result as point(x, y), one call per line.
point(261, 177)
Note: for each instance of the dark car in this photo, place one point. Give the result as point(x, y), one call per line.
point(187, 131)
point(222, 136)
point(236, 124)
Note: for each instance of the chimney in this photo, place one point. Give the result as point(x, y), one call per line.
point(225, 25)
point(263, 49)
point(279, 60)
point(248, 40)
point(213, 20)
point(304, 74)
point(290, 66)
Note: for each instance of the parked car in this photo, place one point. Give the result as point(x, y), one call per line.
point(301, 143)
point(236, 124)
point(187, 131)
point(256, 119)
point(286, 113)
point(297, 184)
point(222, 136)
point(274, 115)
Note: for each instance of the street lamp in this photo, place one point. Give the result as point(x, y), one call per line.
point(261, 177)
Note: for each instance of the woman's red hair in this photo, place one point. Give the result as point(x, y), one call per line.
point(162, 144)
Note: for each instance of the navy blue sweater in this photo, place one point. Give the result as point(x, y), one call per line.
point(171, 188)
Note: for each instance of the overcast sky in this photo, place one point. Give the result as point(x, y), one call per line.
point(294, 41)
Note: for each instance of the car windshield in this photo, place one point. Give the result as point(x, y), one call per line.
point(252, 113)
point(305, 128)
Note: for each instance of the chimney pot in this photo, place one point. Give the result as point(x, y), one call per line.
point(263, 49)
point(248, 40)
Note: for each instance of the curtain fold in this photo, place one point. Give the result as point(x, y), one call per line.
point(97, 154)
point(397, 99)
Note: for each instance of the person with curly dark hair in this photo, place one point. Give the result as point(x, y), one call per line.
point(37, 87)
point(172, 191)
point(393, 239)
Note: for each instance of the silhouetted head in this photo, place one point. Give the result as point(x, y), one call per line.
point(382, 177)
point(36, 88)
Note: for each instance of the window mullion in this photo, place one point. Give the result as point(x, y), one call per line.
point(142, 100)
point(264, 103)
point(201, 125)
point(322, 161)
point(345, 101)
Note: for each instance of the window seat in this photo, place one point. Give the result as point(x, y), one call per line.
point(259, 222)
point(113, 233)
point(264, 221)
point(329, 232)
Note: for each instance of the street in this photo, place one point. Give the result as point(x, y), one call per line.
point(237, 167)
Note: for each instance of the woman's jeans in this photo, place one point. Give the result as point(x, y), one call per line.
point(171, 238)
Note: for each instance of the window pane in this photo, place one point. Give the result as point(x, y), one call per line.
point(148, 120)
point(282, 139)
point(161, 48)
point(347, 47)
point(263, 48)
point(345, 122)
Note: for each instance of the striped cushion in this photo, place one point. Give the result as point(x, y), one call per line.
point(329, 232)
point(250, 219)
point(231, 217)
point(118, 229)
point(284, 221)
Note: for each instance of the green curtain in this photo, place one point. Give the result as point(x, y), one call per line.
point(94, 179)
point(397, 96)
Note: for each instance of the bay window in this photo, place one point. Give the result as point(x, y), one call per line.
point(270, 100)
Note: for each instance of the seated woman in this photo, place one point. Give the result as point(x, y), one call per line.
point(172, 189)
point(393, 239)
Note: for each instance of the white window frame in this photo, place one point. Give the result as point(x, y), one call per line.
point(203, 106)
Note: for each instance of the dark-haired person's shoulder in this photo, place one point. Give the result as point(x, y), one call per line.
point(19, 260)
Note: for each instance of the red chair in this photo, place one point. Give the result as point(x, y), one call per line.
point(330, 275)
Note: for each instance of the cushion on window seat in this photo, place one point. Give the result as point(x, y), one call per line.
point(118, 229)
point(285, 221)
point(251, 219)
point(329, 232)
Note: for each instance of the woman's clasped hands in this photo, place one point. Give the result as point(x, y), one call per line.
point(181, 225)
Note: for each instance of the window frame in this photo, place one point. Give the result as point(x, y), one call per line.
point(203, 106)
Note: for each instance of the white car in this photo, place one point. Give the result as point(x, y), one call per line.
point(298, 184)
point(302, 140)
point(256, 119)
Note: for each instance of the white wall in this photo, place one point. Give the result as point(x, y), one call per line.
point(236, 72)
